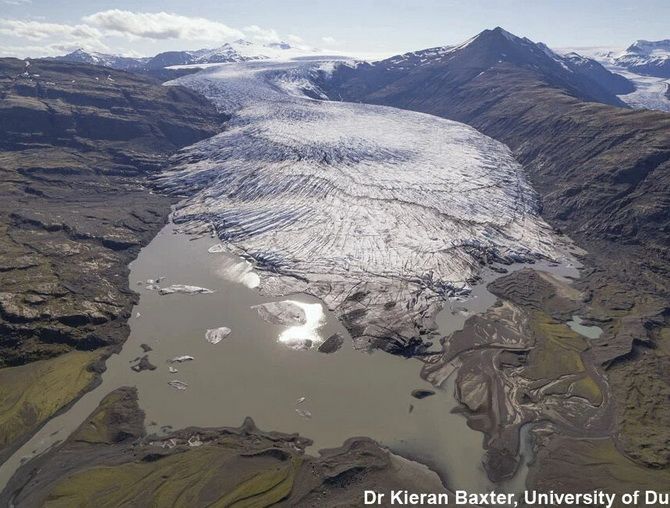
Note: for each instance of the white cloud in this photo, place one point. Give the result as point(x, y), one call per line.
point(17, 2)
point(23, 51)
point(262, 35)
point(160, 25)
point(121, 28)
point(48, 39)
point(42, 50)
point(38, 30)
point(329, 40)
point(298, 42)
point(295, 39)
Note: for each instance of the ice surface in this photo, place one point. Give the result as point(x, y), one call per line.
point(287, 313)
point(359, 205)
point(178, 385)
point(181, 359)
point(304, 413)
point(216, 335)
point(184, 289)
point(306, 334)
point(239, 271)
point(650, 92)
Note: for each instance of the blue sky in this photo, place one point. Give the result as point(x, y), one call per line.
point(43, 27)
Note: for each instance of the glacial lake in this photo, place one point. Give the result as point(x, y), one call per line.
point(590, 332)
point(252, 372)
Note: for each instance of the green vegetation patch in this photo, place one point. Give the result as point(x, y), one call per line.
point(558, 351)
point(202, 476)
point(31, 394)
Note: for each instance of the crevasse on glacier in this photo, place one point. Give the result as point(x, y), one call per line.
point(380, 212)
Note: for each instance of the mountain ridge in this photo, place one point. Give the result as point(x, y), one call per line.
point(650, 58)
point(240, 50)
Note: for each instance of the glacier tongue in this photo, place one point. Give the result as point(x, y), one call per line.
point(380, 212)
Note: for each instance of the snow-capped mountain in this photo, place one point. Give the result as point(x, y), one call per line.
point(647, 58)
point(238, 51)
point(645, 64)
point(171, 58)
point(651, 58)
point(104, 59)
point(501, 46)
point(243, 50)
point(498, 51)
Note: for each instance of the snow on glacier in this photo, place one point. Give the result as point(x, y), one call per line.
point(380, 212)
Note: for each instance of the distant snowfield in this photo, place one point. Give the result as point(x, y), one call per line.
point(372, 209)
point(650, 91)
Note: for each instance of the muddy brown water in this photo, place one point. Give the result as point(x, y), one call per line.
point(253, 373)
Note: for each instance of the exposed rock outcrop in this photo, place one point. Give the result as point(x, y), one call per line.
point(77, 143)
point(331, 344)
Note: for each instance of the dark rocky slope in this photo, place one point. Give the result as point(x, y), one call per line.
point(603, 175)
point(595, 71)
point(603, 172)
point(77, 143)
point(423, 77)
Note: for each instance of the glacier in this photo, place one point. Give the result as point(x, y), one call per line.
point(381, 213)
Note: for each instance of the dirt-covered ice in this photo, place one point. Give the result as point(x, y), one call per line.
point(381, 213)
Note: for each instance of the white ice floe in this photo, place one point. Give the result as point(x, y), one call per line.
point(359, 205)
point(287, 313)
point(216, 249)
point(178, 385)
point(216, 335)
point(305, 335)
point(304, 413)
point(239, 271)
point(185, 289)
point(182, 359)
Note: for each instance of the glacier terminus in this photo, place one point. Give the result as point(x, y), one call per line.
point(381, 213)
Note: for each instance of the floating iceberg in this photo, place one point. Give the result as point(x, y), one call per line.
point(216, 249)
point(216, 335)
point(285, 313)
point(185, 289)
point(304, 413)
point(178, 385)
point(182, 359)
